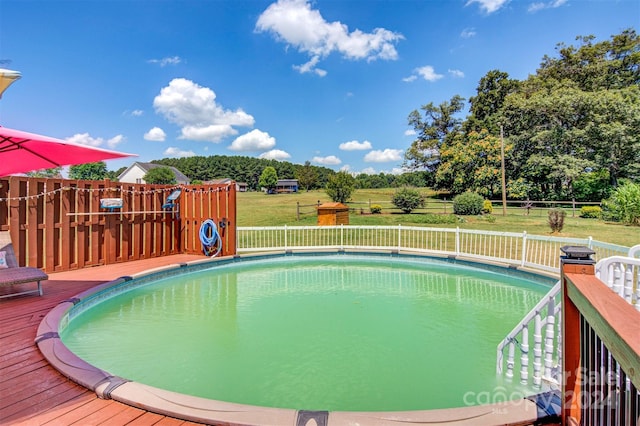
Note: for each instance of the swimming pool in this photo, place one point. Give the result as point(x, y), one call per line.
point(337, 332)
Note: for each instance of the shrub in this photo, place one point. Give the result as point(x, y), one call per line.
point(487, 207)
point(376, 209)
point(591, 212)
point(407, 199)
point(624, 204)
point(556, 220)
point(468, 203)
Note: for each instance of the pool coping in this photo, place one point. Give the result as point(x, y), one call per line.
point(524, 411)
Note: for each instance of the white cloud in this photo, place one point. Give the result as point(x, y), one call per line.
point(296, 24)
point(309, 66)
point(330, 160)
point(355, 146)
point(115, 141)
point(173, 151)
point(213, 133)
point(534, 7)
point(134, 113)
point(489, 6)
point(255, 140)
point(369, 171)
point(194, 108)
point(174, 60)
point(86, 139)
point(468, 33)
point(456, 73)
point(427, 72)
point(155, 134)
point(275, 154)
point(385, 156)
point(410, 132)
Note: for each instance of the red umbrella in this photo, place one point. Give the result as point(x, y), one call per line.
point(22, 152)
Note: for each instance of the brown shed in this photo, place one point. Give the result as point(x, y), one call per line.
point(333, 214)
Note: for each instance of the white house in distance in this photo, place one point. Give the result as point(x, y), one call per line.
point(135, 173)
point(240, 186)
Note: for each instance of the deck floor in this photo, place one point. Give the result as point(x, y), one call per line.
point(34, 393)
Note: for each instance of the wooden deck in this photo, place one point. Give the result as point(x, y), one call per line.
point(34, 393)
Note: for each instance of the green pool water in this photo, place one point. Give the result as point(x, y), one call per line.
point(319, 333)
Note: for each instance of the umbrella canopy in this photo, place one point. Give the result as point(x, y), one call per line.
point(6, 78)
point(22, 152)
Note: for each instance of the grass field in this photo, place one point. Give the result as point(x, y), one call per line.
point(259, 209)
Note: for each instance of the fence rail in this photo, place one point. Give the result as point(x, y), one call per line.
point(520, 249)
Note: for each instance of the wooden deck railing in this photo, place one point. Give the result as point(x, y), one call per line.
point(58, 224)
point(601, 359)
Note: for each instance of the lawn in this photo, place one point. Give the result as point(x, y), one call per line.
point(259, 209)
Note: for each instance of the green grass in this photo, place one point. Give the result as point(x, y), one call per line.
point(259, 209)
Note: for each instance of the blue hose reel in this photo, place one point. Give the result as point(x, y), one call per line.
point(210, 238)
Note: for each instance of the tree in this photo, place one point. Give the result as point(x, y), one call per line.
point(113, 174)
point(89, 171)
point(340, 187)
point(160, 175)
point(492, 90)
point(438, 123)
point(268, 179)
point(307, 176)
point(407, 199)
point(55, 172)
point(471, 162)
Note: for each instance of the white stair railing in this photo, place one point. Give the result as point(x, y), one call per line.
point(620, 273)
point(544, 318)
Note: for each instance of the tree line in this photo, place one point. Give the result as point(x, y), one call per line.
point(569, 131)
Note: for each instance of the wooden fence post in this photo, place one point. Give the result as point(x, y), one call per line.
point(577, 260)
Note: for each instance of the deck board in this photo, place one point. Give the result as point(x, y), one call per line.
point(34, 393)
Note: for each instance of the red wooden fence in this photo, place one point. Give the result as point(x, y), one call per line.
point(58, 224)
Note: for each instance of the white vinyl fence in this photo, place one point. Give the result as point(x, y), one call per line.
point(520, 249)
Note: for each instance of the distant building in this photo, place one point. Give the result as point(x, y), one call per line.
point(287, 185)
point(135, 173)
point(240, 186)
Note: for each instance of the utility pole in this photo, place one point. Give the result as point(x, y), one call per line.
point(504, 180)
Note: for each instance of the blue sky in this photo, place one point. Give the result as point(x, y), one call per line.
point(326, 81)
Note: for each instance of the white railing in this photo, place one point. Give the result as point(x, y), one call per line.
point(546, 318)
point(519, 249)
point(620, 273)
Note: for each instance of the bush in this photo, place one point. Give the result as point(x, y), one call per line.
point(468, 204)
point(407, 199)
point(487, 207)
point(376, 209)
point(591, 212)
point(624, 204)
point(556, 220)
